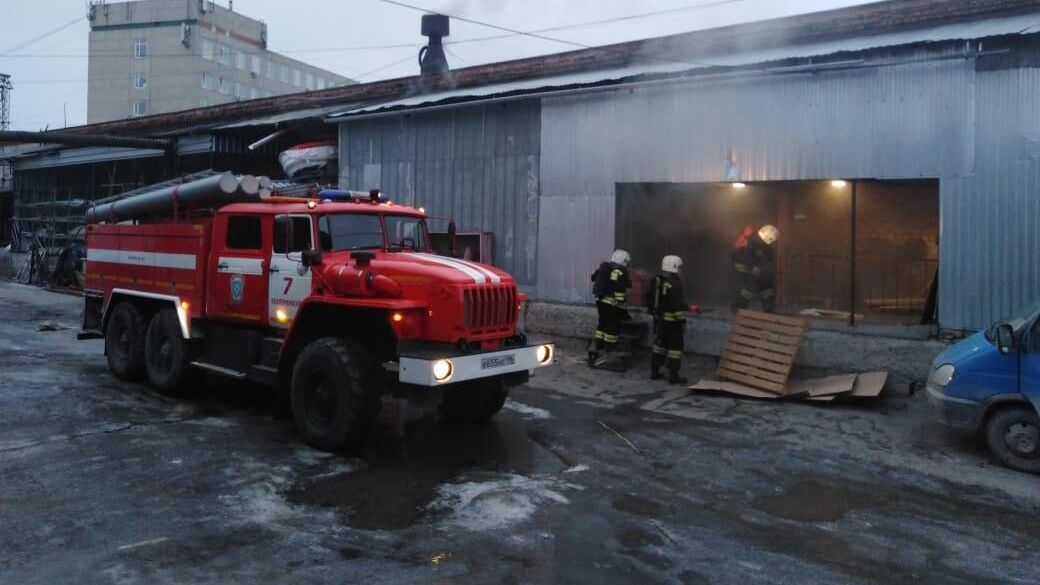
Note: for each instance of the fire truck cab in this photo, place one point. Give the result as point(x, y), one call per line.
point(341, 303)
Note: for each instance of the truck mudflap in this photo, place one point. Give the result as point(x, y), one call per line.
point(442, 368)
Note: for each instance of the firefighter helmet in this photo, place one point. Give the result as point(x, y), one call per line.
point(620, 257)
point(769, 234)
point(671, 264)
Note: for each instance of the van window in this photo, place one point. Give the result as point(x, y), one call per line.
point(243, 233)
point(291, 234)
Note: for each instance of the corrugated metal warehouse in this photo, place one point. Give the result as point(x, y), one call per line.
point(914, 100)
point(928, 111)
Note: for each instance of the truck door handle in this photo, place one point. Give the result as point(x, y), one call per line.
point(275, 269)
point(222, 266)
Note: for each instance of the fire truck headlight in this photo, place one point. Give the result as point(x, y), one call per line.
point(442, 370)
point(544, 354)
point(281, 315)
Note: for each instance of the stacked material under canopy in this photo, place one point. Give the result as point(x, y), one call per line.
point(759, 355)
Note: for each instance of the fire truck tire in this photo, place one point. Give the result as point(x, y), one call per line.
point(166, 356)
point(124, 342)
point(473, 402)
point(333, 399)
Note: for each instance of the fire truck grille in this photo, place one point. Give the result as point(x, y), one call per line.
point(489, 309)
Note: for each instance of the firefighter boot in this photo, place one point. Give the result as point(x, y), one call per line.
point(673, 373)
point(656, 361)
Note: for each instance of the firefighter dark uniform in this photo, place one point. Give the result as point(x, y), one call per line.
point(755, 265)
point(667, 303)
point(611, 290)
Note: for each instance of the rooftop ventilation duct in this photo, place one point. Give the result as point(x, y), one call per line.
point(431, 57)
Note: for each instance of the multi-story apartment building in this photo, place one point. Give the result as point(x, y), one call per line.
point(155, 56)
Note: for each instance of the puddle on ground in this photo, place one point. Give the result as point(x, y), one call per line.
point(812, 501)
point(636, 505)
point(635, 537)
point(402, 476)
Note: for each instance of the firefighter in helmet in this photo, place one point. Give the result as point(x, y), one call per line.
point(610, 287)
point(667, 304)
point(754, 262)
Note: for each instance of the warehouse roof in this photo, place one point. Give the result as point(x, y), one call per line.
point(898, 21)
point(669, 68)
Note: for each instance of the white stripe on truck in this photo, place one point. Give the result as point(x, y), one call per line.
point(478, 273)
point(139, 258)
point(477, 276)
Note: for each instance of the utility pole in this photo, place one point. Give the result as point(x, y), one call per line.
point(5, 101)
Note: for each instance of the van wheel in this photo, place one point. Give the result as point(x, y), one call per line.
point(1013, 435)
point(473, 402)
point(166, 356)
point(334, 399)
point(124, 342)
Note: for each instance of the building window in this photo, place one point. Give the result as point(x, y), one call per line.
point(254, 66)
point(268, 93)
point(283, 74)
point(140, 81)
point(310, 81)
point(140, 48)
point(241, 90)
point(254, 92)
point(207, 49)
point(321, 83)
point(223, 54)
point(224, 86)
point(240, 60)
point(206, 81)
point(139, 107)
point(204, 103)
point(270, 69)
point(296, 78)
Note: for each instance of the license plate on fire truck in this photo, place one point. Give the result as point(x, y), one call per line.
point(498, 361)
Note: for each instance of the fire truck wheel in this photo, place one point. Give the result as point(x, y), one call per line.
point(124, 342)
point(333, 401)
point(165, 355)
point(473, 402)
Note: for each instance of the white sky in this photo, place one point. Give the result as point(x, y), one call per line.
point(50, 76)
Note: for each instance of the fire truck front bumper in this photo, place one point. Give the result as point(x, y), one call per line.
point(439, 368)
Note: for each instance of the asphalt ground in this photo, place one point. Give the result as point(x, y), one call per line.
point(586, 477)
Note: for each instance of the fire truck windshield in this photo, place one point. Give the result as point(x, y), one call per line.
point(355, 231)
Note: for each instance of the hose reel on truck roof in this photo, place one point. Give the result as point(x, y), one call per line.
point(214, 191)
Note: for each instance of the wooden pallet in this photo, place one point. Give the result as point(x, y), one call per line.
point(761, 350)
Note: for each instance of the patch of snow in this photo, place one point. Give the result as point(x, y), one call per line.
point(497, 503)
point(577, 469)
point(527, 411)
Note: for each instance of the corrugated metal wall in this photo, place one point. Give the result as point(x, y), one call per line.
point(977, 133)
point(479, 165)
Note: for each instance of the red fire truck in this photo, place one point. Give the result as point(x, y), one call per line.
point(339, 302)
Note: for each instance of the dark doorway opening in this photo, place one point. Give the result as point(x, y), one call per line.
point(885, 277)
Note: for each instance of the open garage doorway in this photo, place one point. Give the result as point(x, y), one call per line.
point(878, 264)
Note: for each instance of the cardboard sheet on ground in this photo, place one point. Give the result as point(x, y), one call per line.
point(826, 389)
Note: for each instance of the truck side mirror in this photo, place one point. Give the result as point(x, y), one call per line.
point(1005, 338)
point(311, 258)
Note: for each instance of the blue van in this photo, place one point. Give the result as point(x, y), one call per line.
point(990, 383)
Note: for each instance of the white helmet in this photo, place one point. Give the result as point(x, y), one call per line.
point(671, 264)
point(620, 257)
point(769, 234)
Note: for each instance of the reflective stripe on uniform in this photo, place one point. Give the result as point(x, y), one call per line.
point(747, 294)
point(671, 316)
point(610, 338)
point(600, 334)
point(615, 274)
point(659, 350)
point(767, 293)
point(608, 301)
point(740, 267)
point(674, 354)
